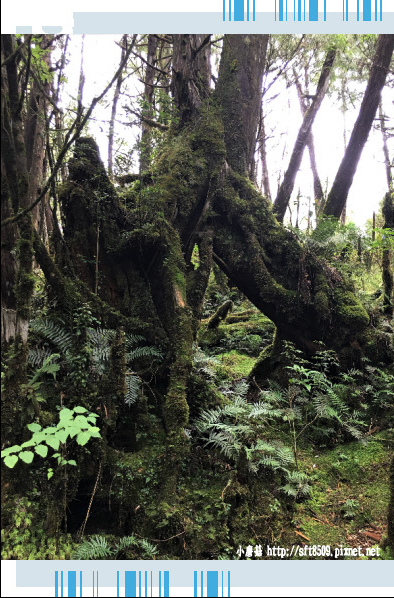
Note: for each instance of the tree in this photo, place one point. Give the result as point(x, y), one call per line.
point(198, 196)
point(304, 137)
point(337, 197)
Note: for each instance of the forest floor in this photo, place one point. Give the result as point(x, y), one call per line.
point(349, 496)
point(348, 502)
point(329, 490)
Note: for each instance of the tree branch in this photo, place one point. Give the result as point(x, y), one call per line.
point(69, 140)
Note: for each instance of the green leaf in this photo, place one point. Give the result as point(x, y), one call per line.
point(10, 461)
point(95, 432)
point(83, 438)
point(41, 450)
point(73, 431)
point(14, 449)
point(30, 442)
point(53, 442)
point(34, 427)
point(72, 462)
point(65, 414)
point(50, 473)
point(81, 421)
point(26, 456)
point(38, 437)
point(62, 435)
point(80, 410)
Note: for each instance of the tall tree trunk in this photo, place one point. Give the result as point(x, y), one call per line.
point(381, 61)
point(287, 186)
point(239, 88)
point(343, 98)
point(191, 70)
point(35, 133)
point(317, 187)
point(81, 84)
point(265, 181)
point(17, 177)
point(147, 111)
point(115, 100)
point(385, 138)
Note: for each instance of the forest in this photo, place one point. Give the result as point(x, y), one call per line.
point(196, 306)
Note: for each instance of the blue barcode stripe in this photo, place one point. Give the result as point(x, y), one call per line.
point(72, 583)
point(212, 583)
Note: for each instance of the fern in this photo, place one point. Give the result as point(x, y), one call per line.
point(148, 548)
point(126, 542)
point(297, 485)
point(133, 387)
point(98, 548)
point(94, 549)
point(98, 341)
point(37, 355)
point(145, 351)
point(57, 335)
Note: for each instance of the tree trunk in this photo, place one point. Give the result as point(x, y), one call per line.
point(317, 187)
point(115, 100)
point(35, 126)
point(239, 89)
point(385, 138)
point(338, 195)
point(206, 200)
point(191, 74)
point(287, 186)
point(147, 111)
point(265, 181)
point(18, 189)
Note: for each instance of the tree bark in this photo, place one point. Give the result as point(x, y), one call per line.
point(113, 112)
point(17, 180)
point(239, 88)
point(147, 111)
point(265, 181)
point(385, 138)
point(338, 195)
point(317, 187)
point(287, 186)
point(191, 74)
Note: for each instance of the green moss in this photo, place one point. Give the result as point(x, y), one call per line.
point(350, 310)
point(233, 365)
point(322, 303)
point(356, 472)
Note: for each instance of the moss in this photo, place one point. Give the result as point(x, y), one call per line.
point(355, 471)
point(220, 314)
point(235, 366)
point(350, 310)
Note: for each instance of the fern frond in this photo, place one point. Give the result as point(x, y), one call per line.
point(133, 386)
point(93, 549)
point(54, 333)
point(37, 355)
point(139, 352)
